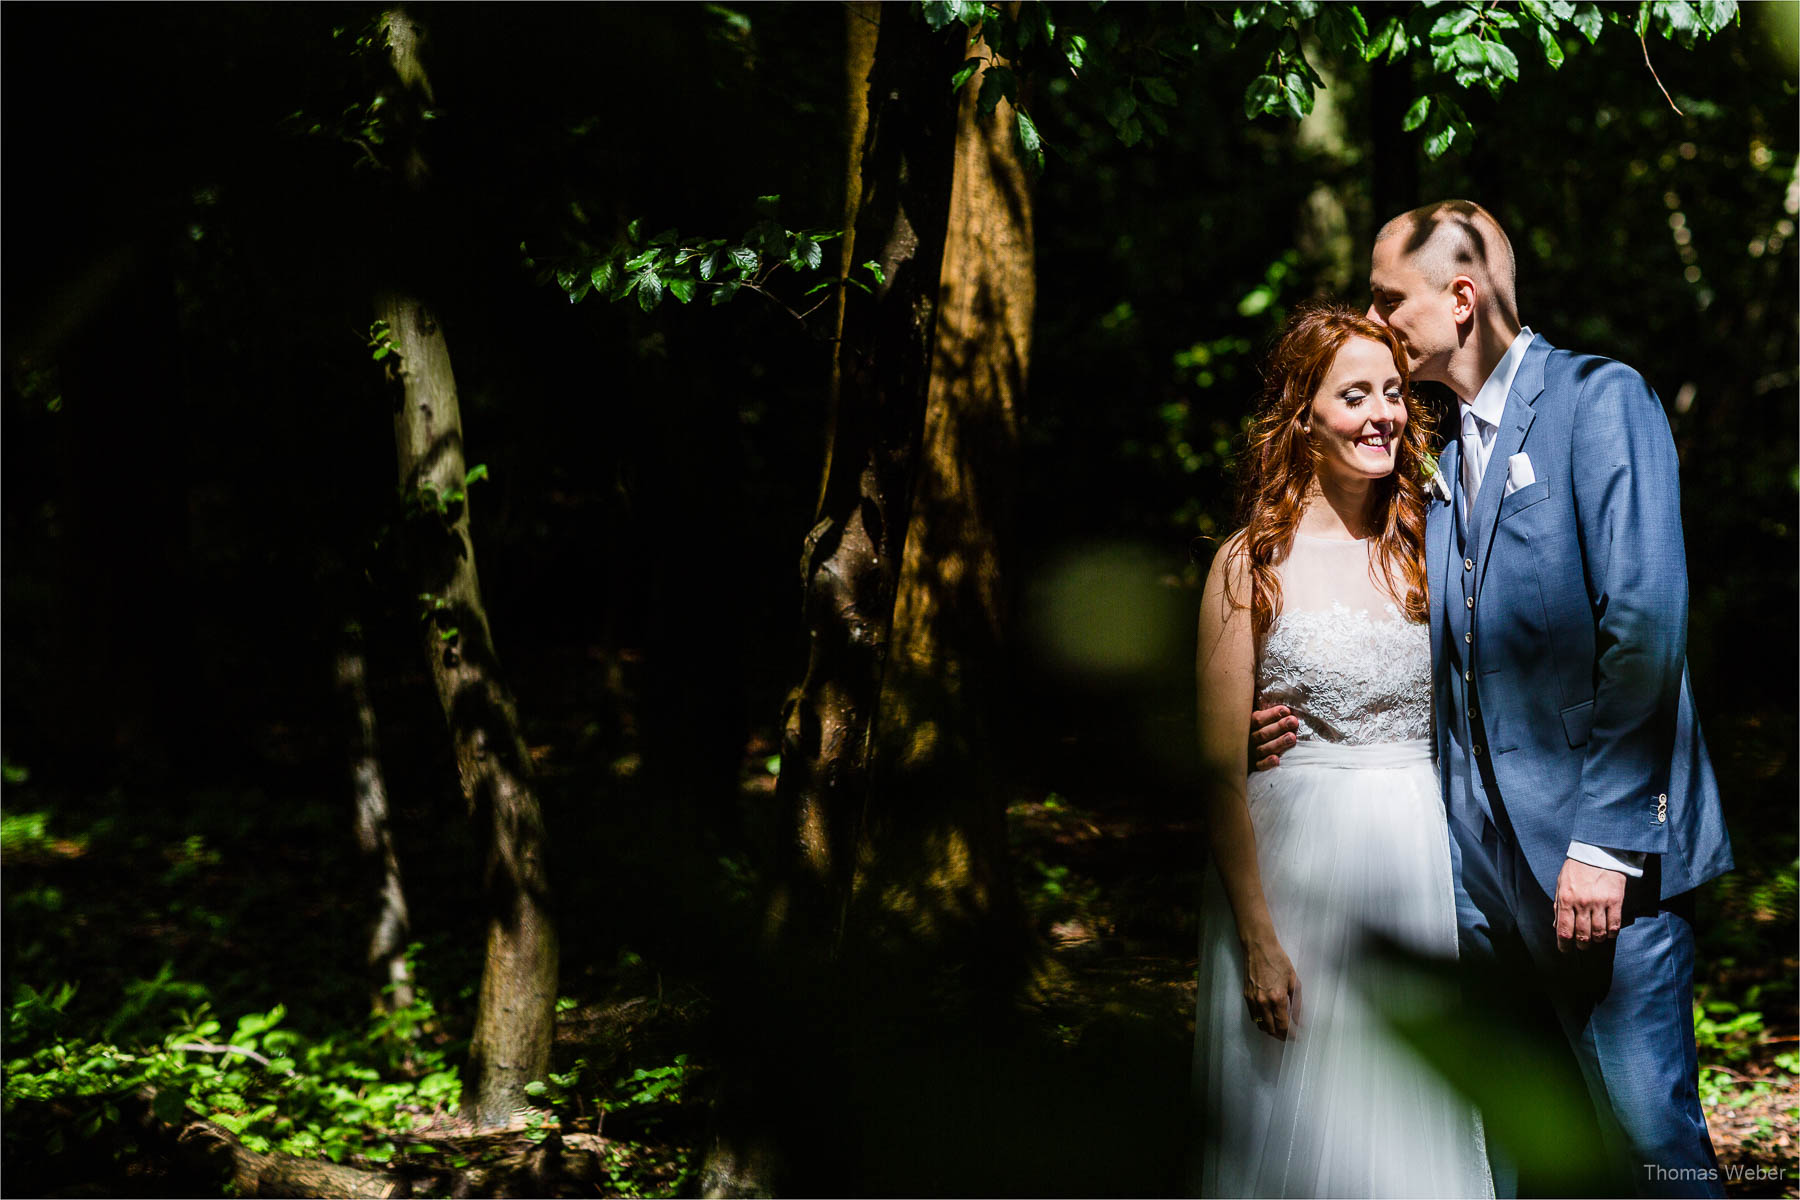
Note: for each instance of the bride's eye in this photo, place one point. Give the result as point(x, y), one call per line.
point(1353, 397)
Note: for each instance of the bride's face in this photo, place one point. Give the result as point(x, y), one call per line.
point(1358, 413)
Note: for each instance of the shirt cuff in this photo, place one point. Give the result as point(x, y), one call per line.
point(1631, 862)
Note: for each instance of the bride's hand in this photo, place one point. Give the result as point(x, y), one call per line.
point(1271, 989)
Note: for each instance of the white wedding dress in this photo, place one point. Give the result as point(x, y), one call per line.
point(1350, 838)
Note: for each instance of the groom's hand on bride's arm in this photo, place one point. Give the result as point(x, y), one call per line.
point(1590, 903)
point(1272, 731)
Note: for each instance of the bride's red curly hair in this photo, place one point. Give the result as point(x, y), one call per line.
point(1280, 466)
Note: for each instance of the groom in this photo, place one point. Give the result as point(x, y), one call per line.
point(1583, 809)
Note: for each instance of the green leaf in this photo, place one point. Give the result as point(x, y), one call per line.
point(938, 13)
point(997, 83)
point(1075, 50)
point(1298, 95)
point(811, 253)
point(964, 73)
point(1263, 95)
point(602, 275)
point(1446, 127)
point(1029, 142)
point(1246, 15)
point(1588, 19)
point(478, 471)
point(874, 268)
point(1553, 51)
point(535, 1088)
point(1470, 50)
point(1343, 29)
point(707, 265)
point(1715, 15)
point(1452, 23)
point(649, 289)
point(1501, 58)
point(1131, 132)
point(682, 289)
point(767, 206)
point(743, 258)
point(1158, 89)
point(639, 261)
point(1383, 40)
point(723, 293)
point(448, 635)
point(633, 230)
point(1415, 116)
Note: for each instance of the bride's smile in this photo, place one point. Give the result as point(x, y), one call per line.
point(1357, 416)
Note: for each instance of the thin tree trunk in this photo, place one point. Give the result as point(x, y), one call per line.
point(390, 929)
point(515, 1015)
point(939, 816)
point(851, 558)
point(516, 1012)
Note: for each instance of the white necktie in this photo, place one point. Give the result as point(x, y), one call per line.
point(1474, 457)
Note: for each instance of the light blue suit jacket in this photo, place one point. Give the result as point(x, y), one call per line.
point(1575, 647)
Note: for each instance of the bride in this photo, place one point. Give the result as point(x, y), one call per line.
point(1318, 604)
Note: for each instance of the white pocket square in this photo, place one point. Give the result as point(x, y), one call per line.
point(1519, 473)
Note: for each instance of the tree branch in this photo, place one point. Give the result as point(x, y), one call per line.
point(209, 1048)
point(1658, 78)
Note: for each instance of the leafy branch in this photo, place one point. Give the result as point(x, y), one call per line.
point(672, 265)
point(1469, 44)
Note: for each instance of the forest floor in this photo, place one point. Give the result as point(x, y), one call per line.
point(245, 901)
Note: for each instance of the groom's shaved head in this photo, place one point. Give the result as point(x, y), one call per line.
point(1459, 237)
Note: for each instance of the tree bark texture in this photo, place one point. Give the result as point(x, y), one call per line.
point(850, 561)
point(391, 925)
point(515, 1016)
point(514, 1020)
point(937, 814)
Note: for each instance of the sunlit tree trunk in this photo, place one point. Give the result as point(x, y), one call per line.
point(391, 925)
point(851, 557)
point(939, 817)
point(516, 1010)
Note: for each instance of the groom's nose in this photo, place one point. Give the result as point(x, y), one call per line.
point(1373, 315)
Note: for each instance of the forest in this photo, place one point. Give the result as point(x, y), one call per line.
point(600, 599)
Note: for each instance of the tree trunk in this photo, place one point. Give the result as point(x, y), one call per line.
point(939, 816)
point(516, 1012)
point(391, 925)
point(850, 560)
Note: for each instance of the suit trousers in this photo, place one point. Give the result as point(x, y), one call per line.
point(1626, 1006)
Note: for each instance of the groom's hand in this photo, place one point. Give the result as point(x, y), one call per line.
point(1590, 902)
point(1272, 730)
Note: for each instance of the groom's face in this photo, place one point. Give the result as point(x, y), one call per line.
point(1409, 304)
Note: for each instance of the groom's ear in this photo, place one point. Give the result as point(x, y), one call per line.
point(1462, 299)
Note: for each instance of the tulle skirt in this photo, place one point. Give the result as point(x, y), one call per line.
point(1351, 841)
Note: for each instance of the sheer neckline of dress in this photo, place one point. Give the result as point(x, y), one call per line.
point(1313, 537)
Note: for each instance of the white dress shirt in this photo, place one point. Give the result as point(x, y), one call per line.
point(1480, 429)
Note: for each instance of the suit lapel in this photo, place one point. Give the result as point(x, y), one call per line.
point(1515, 421)
point(1440, 529)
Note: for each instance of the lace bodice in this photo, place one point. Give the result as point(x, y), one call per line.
point(1341, 655)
